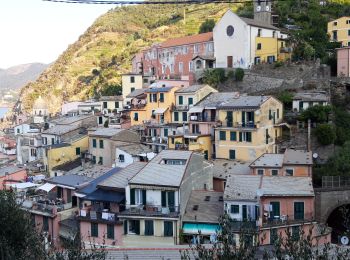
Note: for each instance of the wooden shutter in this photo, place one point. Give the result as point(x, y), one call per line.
point(143, 197)
point(137, 227)
point(163, 199)
point(125, 227)
point(171, 201)
point(132, 196)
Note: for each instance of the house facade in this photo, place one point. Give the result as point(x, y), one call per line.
point(304, 100)
point(343, 62)
point(339, 30)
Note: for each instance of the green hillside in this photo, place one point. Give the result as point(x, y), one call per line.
point(96, 61)
point(104, 51)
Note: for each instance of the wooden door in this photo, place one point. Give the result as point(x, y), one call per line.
point(229, 62)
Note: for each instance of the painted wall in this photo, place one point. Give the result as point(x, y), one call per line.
point(343, 62)
point(251, 210)
point(342, 27)
point(20, 175)
point(105, 152)
point(299, 170)
point(85, 231)
point(306, 105)
point(127, 83)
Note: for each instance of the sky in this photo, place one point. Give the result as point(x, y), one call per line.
point(39, 31)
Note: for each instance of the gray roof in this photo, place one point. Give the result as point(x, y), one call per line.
point(157, 173)
point(158, 89)
point(61, 129)
point(111, 98)
point(208, 211)
point(226, 168)
point(105, 132)
point(190, 89)
point(260, 24)
point(120, 179)
point(269, 160)
point(311, 96)
point(136, 92)
point(302, 157)
point(227, 100)
point(286, 186)
point(9, 170)
point(67, 120)
point(133, 149)
point(72, 180)
point(242, 187)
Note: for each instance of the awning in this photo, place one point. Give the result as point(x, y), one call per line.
point(191, 136)
point(160, 111)
point(46, 187)
point(24, 185)
point(195, 110)
point(105, 195)
point(79, 195)
point(203, 229)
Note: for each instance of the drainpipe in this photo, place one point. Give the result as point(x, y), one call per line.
point(309, 135)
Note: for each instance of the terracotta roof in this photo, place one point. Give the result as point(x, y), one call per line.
point(203, 37)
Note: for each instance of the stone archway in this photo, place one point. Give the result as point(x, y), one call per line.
point(336, 219)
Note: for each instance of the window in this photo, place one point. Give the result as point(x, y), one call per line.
point(94, 143)
point(335, 23)
point(190, 101)
point(278, 113)
point(165, 132)
point(184, 116)
point(100, 120)
point(100, 160)
point(110, 231)
point(274, 172)
point(172, 140)
point(275, 208)
point(175, 162)
point(104, 104)
point(137, 197)
point(116, 104)
point(232, 154)
point(222, 135)
point(149, 228)
point(181, 67)
point(261, 171)
point(132, 79)
point(121, 158)
point(45, 223)
point(136, 116)
point(132, 89)
point(348, 32)
point(190, 65)
point(59, 192)
point(77, 151)
point(196, 48)
point(181, 100)
point(93, 159)
point(233, 136)
point(230, 30)
point(101, 144)
point(245, 137)
point(289, 172)
point(94, 229)
point(229, 118)
point(33, 152)
point(258, 47)
point(176, 116)
point(235, 209)
point(299, 210)
point(52, 140)
point(259, 32)
point(161, 97)
point(168, 228)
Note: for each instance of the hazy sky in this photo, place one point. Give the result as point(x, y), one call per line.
point(39, 31)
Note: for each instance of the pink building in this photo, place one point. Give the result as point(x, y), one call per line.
point(11, 174)
point(343, 62)
point(174, 58)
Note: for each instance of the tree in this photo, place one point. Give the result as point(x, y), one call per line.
point(286, 98)
point(317, 114)
point(214, 77)
point(207, 26)
point(111, 90)
point(325, 134)
point(18, 237)
point(239, 74)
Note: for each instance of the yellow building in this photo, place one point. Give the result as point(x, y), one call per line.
point(192, 142)
point(130, 82)
point(268, 48)
point(157, 109)
point(339, 30)
point(111, 104)
point(249, 127)
point(58, 154)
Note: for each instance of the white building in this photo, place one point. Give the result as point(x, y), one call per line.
point(304, 100)
point(130, 153)
point(40, 111)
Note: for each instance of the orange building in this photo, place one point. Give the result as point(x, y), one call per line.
point(10, 175)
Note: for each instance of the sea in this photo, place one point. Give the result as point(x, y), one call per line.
point(3, 111)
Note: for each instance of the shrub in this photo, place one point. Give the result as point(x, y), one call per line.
point(239, 74)
point(286, 98)
point(317, 114)
point(325, 134)
point(207, 26)
point(231, 74)
point(278, 64)
point(106, 123)
point(214, 77)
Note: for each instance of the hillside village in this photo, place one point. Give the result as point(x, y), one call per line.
point(160, 164)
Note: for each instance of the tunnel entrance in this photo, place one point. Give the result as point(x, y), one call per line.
point(339, 222)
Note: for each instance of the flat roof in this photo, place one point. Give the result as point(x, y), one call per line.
point(269, 160)
point(292, 156)
point(9, 170)
point(311, 96)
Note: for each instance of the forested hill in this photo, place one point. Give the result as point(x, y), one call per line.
point(96, 61)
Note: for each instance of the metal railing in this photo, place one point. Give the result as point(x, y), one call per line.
point(240, 124)
point(151, 210)
point(287, 219)
point(100, 215)
point(335, 181)
point(200, 118)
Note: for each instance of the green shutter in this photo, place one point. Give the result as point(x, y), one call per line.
point(77, 150)
point(110, 231)
point(249, 137)
point(299, 210)
point(171, 201)
point(149, 229)
point(181, 100)
point(184, 116)
point(190, 101)
point(125, 227)
point(168, 228)
point(94, 143)
point(137, 227)
point(132, 196)
point(176, 116)
point(244, 212)
point(163, 199)
point(101, 144)
point(166, 132)
point(94, 229)
point(161, 97)
point(136, 116)
point(275, 208)
point(233, 136)
point(240, 136)
point(143, 197)
point(222, 135)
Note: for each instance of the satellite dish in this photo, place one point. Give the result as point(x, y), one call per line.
point(315, 155)
point(258, 8)
point(267, 8)
point(259, 192)
point(344, 240)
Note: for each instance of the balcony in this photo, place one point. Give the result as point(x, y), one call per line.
point(286, 50)
point(181, 108)
point(41, 204)
point(151, 211)
point(200, 118)
point(283, 220)
point(250, 124)
point(102, 216)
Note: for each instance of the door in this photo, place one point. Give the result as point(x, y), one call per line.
point(168, 228)
point(229, 62)
point(149, 229)
point(299, 210)
point(206, 154)
point(244, 213)
point(275, 209)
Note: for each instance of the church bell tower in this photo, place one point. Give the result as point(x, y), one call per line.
point(262, 11)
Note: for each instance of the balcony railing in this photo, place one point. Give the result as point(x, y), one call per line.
point(151, 210)
point(97, 215)
point(181, 108)
point(200, 118)
point(250, 124)
point(286, 49)
point(45, 206)
point(287, 219)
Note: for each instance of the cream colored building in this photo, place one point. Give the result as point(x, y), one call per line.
point(339, 30)
point(130, 82)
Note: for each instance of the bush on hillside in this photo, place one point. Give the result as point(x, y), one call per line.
point(317, 114)
point(207, 26)
point(325, 134)
point(239, 74)
point(214, 77)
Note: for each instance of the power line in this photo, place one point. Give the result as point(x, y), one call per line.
point(135, 2)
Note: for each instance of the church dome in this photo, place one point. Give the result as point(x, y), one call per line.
point(40, 103)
